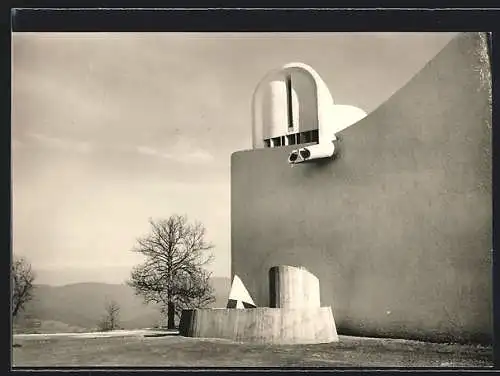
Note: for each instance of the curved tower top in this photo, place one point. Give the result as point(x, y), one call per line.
point(292, 105)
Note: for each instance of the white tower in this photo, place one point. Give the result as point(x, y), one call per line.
point(293, 106)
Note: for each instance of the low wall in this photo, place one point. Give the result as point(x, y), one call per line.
point(261, 325)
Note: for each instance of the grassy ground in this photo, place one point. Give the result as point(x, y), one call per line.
point(177, 351)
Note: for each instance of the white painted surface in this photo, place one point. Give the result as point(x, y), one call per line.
point(240, 293)
point(308, 153)
point(312, 104)
point(275, 115)
point(345, 116)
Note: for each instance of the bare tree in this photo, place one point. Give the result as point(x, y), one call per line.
point(173, 273)
point(22, 277)
point(111, 320)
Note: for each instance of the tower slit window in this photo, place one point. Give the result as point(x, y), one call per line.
point(289, 102)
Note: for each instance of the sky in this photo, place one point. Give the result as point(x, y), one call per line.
point(111, 129)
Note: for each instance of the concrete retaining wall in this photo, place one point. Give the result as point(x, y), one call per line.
point(261, 325)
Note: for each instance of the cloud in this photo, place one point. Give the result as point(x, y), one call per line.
point(180, 152)
point(61, 143)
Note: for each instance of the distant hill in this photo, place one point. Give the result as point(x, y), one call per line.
point(80, 306)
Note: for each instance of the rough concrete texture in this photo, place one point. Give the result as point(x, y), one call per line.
point(261, 325)
point(398, 228)
point(292, 287)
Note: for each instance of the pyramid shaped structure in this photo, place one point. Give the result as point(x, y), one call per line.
point(239, 296)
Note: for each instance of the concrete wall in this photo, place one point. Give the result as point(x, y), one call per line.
point(307, 325)
point(398, 227)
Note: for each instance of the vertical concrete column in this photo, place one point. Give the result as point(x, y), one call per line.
point(292, 287)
